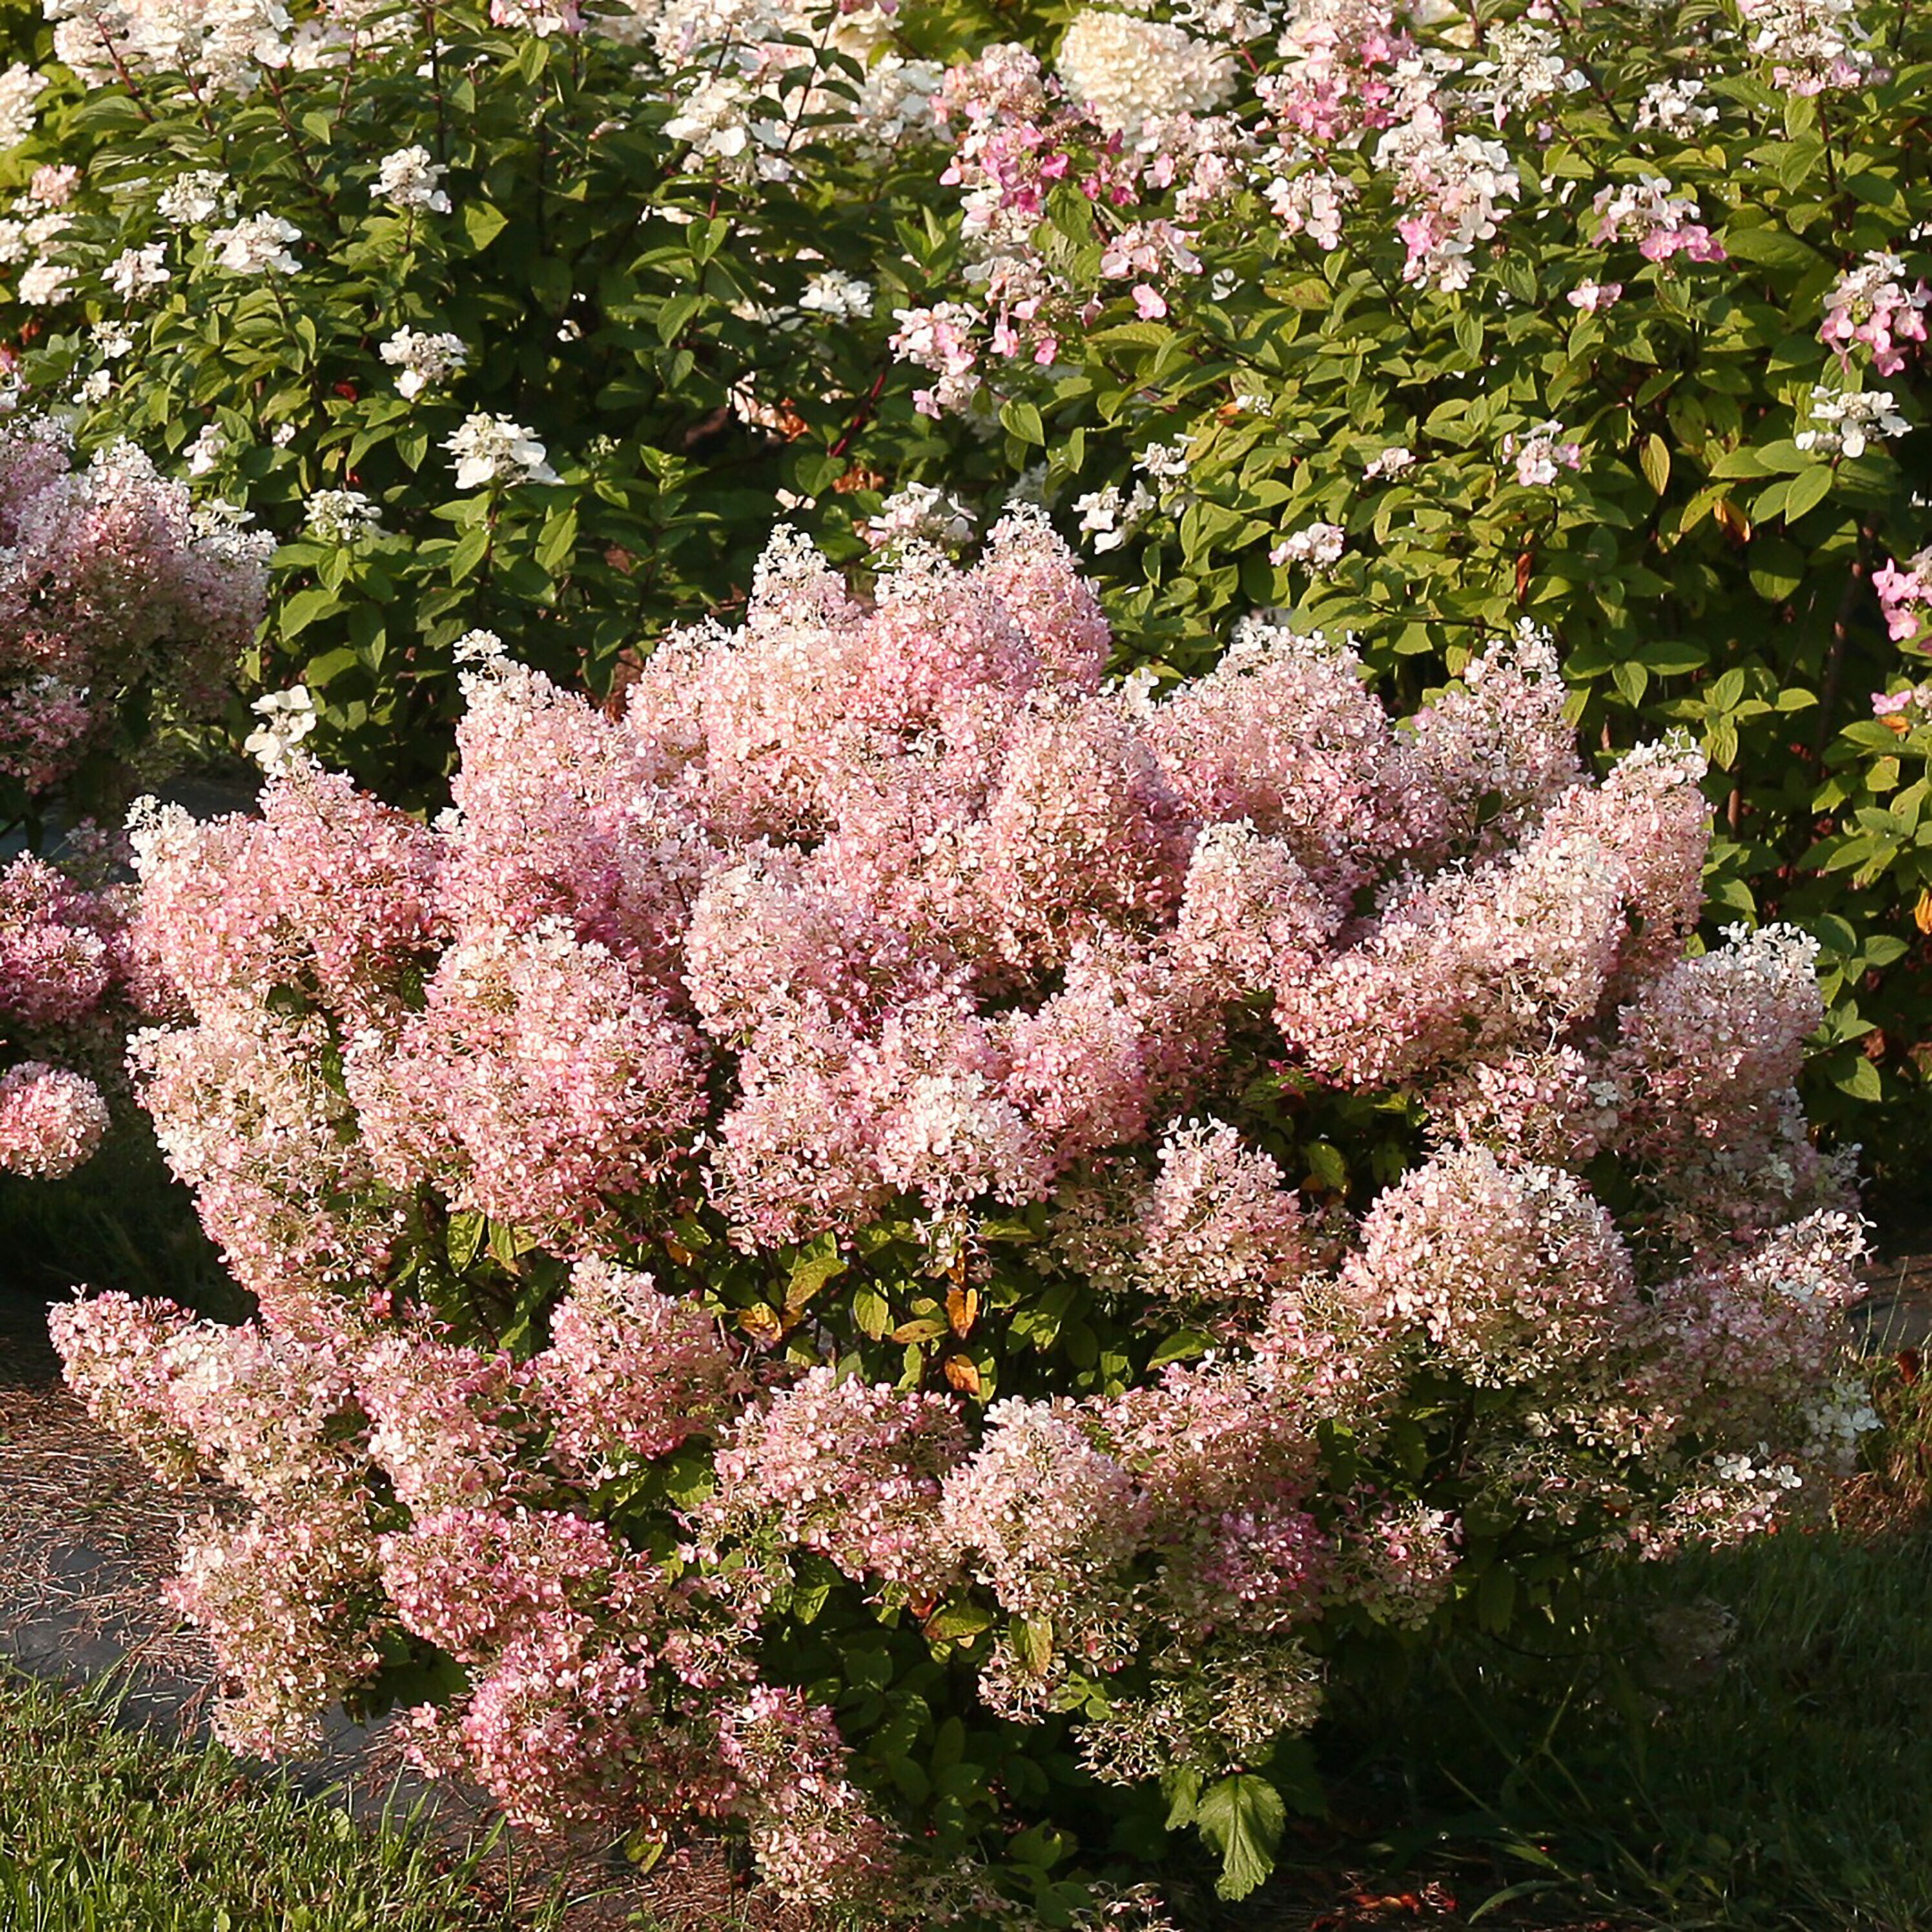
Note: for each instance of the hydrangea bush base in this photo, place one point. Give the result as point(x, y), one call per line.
point(900, 1236)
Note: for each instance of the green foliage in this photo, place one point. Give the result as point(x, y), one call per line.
point(1762, 1771)
point(619, 309)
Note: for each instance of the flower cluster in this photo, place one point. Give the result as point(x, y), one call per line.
point(1905, 595)
point(1872, 304)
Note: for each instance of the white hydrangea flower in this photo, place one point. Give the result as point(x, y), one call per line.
point(1130, 70)
point(408, 179)
point(1396, 460)
point(194, 198)
point(1110, 518)
point(479, 647)
point(206, 452)
point(339, 516)
point(1676, 108)
point(425, 359)
point(43, 283)
point(20, 90)
point(257, 245)
point(1847, 422)
point(113, 339)
point(1165, 462)
point(1318, 547)
point(837, 294)
point(134, 272)
point(287, 718)
point(919, 512)
point(492, 449)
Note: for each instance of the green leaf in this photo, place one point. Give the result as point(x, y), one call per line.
point(1655, 461)
point(1771, 246)
point(958, 1619)
point(1807, 490)
point(558, 543)
point(1184, 1347)
point(1241, 1817)
point(1022, 420)
point(1860, 1079)
point(469, 552)
point(1033, 1640)
point(464, 1238)
point(305, 607)
point(817, 1263)
point(483, 223)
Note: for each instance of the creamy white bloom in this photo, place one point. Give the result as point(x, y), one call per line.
point(1318, 547)
point(287, 718)
point(339, 516)
point(835, 293)
point(135, 271)
point(919, 512)
point(43, 283)
point(478, 646)
point(409, 179)
point(1165, 462)
point(1130, 70)
point(1394, 461)
point(20, 90)
point(206, 452)
point(1110, 518)
point(492, 449)
point(1675, 107)
point(194, 198)
point(257, 245)
point(1847, 422)
point(425, 358)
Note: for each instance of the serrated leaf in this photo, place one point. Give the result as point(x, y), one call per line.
point(1242, 1818)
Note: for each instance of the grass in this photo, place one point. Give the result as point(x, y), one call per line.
point(1783, 1783)
point(105, 1827)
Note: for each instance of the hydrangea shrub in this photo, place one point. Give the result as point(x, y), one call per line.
point(905, 1249)
point(63, 973)
point(124, 612)
point(1412, 321)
